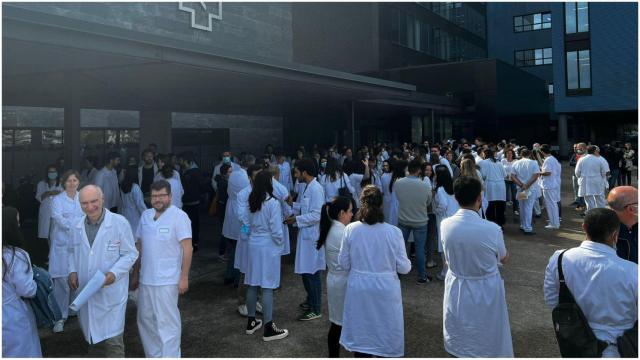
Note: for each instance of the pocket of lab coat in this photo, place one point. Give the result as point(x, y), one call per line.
point(304, 207)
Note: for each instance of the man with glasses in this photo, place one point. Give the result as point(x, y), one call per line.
point(624, 201)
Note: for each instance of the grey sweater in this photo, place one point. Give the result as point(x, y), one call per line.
point(414, 197)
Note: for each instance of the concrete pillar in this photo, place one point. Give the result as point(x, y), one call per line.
point(155, 127)
point(416, 129)
point(563, 140)
point(72, 148)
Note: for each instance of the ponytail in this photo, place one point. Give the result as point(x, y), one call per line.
point(329, 212)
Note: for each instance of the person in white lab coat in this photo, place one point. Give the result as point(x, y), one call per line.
point(45, 191)
point(88, 174)
point(163, 238)
point(132, 199)
point(334, 180)
point(445, 205)
point(227, 158)
point(493, 175)
point(285, 171)
point(309, 260)
point(476, 320)
point(166, 173)
point(373, 253)
point(65, 213)
point(604, 286)
point(398, 171)
point(107, 180)
point(601, 200)
point(102, 241)
point(550, 179)
point(281, 193)
point(591, 174)
point(19, 331)
point(525, 175)
point(163, 160)
point(336, 215)
point(265, 246)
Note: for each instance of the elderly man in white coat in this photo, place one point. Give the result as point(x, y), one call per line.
point(310, 261)
point(102, 242)
point(550, 178)
point(476, 321)
point(591, 172)
point(164, 242)
point(525, 174)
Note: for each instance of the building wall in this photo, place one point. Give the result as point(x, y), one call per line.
point(254, 29)
point(614, 61)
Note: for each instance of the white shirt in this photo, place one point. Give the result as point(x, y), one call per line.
point(331, 187)
point(524, 169)
point(603, 285)
point(44, 212)
point(114, 251)
point(476, 321)
point(65, 213)
point(552, 181)
point(508, 166)
point(285, 175)
point(216, 171)
point(237, 181)
point(590, 172)
point(176, 191)
point(493, 175)
point(309, 260)
point(160, 241)
point(107, 180)
point(445, 205)
point(132, 205)
point(174, 175)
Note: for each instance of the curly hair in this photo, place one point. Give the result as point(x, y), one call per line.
point(370, 211)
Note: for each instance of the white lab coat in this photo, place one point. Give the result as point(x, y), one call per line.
point(107, 180)
point(604, 285)
point(444, 206)
point(605, 164)
point(174, 175)
point(65, 214)
point(590, 172)
point(476, 321)
point(265, 246)
point(242, 213)
point(550, 184)
point(113, 251)
point(373, 320)
point(309, 260)
point(331, 187)
point(216, 171)
point(19, 331)
point(524, 169)
point(88, 176)
point(44, 212)
point(132, 206)
point(336, 277)
point(390, 201)
point(356, 184)
point(231, 226)
point(493, 175)
point(285, 175)
point(176, 191)
point(508, 166)
point(281, 193)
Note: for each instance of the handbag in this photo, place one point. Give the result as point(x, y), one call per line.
point(628, 342)
point(213, 208)
point(573, 333)
point(343, 190)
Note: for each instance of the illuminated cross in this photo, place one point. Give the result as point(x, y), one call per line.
point(210, 16)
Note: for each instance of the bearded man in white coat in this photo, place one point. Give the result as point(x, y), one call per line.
point(310, 261)
point(591, 173)
point(102, 242)
point(476, 321)
point(550, 178)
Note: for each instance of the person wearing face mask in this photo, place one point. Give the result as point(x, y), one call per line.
point(226, 159)
point(476, 321)
point(322, 170)
point(624, 201)
point(604, 286)
point(45, 191)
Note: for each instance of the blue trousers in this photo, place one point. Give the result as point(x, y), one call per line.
point(313, 286)
point(420, 237)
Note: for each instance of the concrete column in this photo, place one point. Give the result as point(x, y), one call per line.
point(155, 127)
point(563, 140)
point(416, 129)
point(352, 126)
point(72, 148)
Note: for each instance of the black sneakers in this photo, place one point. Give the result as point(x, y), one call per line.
point(253, 325)
point(272, 332)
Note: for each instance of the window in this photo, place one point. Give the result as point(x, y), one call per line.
point(579, 72)
point(550, 89)
point(52, 138)
point(576, 17)
point(533, 57)
point(532, 22)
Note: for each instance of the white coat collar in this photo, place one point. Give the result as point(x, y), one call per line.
point(108, 217)
point(338, 224)
point(467, 212)
point(599, 247)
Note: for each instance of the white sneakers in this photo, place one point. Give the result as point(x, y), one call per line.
point(550, 227)
point(242, 309)
point(58, 327)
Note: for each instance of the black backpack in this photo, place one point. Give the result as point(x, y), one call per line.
point(575, 336)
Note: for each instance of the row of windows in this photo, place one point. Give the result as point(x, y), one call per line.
point(460, 14)
point(533, 57)
point(576, 17)
point(532, 22)
point(54, 138)
point(409, 31)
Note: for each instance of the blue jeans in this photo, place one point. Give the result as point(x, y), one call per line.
point(420, 237)
point(511, 194)
point(267, 303)
point(614, 178)
point(313, 286)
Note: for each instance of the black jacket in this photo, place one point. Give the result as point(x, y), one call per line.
point(194, 186)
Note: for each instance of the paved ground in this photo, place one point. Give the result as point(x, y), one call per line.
point(213, 328)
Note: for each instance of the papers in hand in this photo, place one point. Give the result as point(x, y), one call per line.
point(93, 286)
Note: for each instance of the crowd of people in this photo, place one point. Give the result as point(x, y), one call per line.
point(359, 215)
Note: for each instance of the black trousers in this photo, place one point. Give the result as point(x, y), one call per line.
point(194, 215)
point(495, 211)
point(333, 340)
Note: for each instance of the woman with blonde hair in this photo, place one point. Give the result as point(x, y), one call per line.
point(468, 168)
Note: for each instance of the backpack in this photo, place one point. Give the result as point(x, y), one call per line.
point(44, 304)
point(575, 336)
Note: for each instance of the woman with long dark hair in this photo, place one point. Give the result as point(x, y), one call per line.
point(335, 216)
point(373, 252)
point(132, 199)
point(398, 171)
point(264, 250)
point(334, 180)
point(428, 177)
point(19, 331)
point(493, 175)
point(445, 205)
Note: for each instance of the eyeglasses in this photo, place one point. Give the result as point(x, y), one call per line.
point(632, 204)
point(157, 196)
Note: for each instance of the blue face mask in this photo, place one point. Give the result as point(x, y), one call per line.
point(52, 175)
point(226, 159)
point(323, 165)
